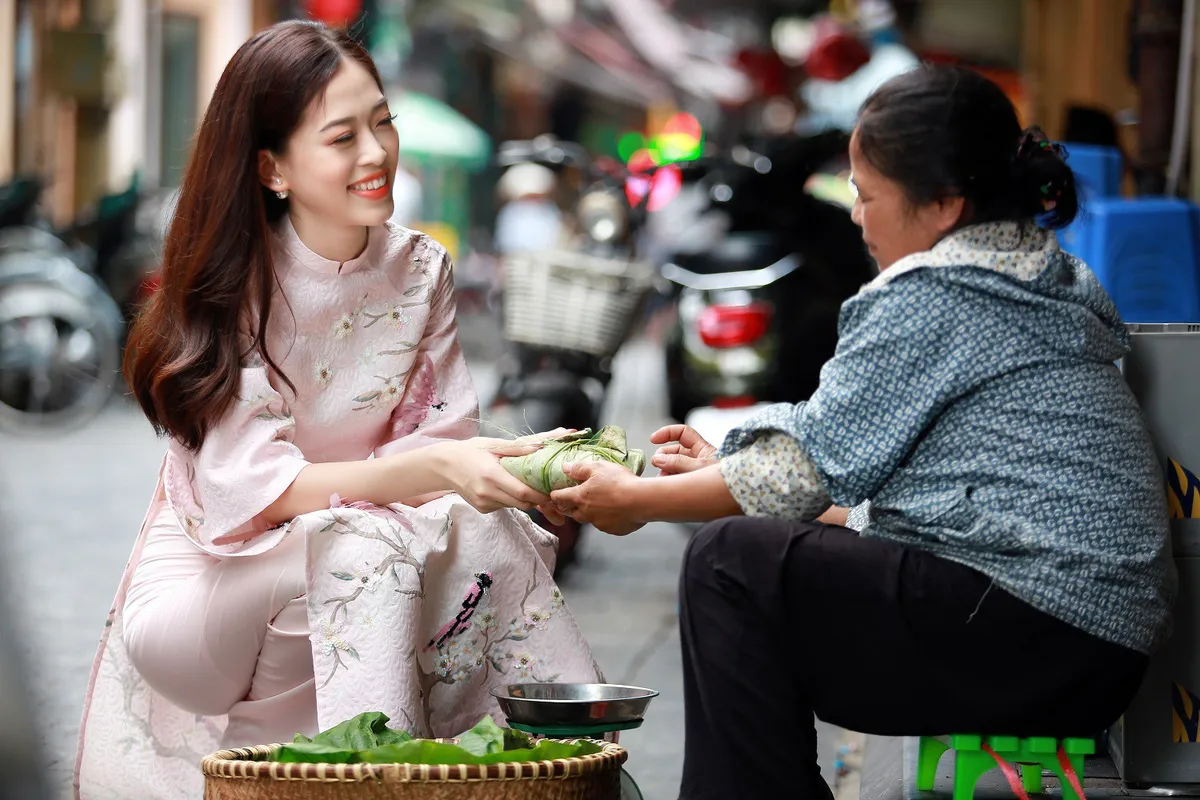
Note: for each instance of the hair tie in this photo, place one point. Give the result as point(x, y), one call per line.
point(1032, 140)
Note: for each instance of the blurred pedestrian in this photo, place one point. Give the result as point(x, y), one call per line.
point(529, 220)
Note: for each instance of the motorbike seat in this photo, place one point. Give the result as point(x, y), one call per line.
point(733, 253)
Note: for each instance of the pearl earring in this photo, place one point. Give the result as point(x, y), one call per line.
point(282, 195)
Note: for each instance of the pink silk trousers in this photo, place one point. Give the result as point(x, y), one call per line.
point(224, 636)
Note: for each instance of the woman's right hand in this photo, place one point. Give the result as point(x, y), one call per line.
point(683, 450)
point(472, 468)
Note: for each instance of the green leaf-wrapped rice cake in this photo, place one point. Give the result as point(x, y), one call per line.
point(542, 470)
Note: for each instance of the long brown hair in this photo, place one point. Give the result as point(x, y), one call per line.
point(187, 347)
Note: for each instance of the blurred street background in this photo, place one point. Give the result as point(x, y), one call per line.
point(648, 207)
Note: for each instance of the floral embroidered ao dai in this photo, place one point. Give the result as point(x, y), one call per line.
point(415, 612)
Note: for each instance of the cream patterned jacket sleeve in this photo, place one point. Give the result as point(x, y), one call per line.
point(774, 477)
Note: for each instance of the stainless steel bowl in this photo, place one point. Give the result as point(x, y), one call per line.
point(580, 704)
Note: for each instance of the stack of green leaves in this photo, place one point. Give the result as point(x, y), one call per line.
point(542, 470)
point(367, 739)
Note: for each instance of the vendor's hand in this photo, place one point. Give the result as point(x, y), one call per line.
point(683, 450)
point(552, 514)
point(472, 468)
point(601, 497)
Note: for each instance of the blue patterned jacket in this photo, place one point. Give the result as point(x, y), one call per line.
point(974, 402)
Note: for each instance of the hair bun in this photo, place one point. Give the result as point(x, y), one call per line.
point(1045, 182)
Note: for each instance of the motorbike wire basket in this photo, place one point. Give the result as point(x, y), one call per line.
point(249, 774)
point(563, 299)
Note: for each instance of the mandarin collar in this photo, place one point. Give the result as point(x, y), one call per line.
point(305, 257)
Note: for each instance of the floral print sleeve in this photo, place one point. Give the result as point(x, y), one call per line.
point(247, 461)
point(774, 477)
point(440, 401)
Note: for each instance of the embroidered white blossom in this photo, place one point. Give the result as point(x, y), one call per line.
point(367, 620)
point(445, 665)
point(367, 578)
point(389, 396)
point(343, 327)
point(322, 373)
point(524, 663)
point(488, 620)
point(397, 317)
point(367, 357)
point(556, 599)
point(328, 637)
point(535, 617)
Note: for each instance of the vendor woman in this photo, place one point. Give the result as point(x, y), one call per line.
point(1008, 570)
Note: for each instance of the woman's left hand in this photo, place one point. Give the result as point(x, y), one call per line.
point(601, 498)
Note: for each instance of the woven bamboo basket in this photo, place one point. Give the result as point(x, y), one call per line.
point(246, 774)
point(565, 299)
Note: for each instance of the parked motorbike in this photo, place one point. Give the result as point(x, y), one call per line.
point(758, 301)
point(60, 331)
point(567, 311)
point(120, 242)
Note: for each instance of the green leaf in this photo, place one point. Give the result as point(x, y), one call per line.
point(418, 751)
point(412, 290)
point(486, 737)
point(366, 398)
point(516, 740)
point(389, 736)
point(314, 752)
point(342, 576)
point(423, 751)
point(366, 738)
point(360, 733)
point(548, 750)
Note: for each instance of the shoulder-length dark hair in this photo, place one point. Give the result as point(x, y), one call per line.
point(187, 347)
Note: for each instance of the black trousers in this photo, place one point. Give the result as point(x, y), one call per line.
point(781, 620)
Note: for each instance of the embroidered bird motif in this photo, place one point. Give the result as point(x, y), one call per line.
point(475, 597)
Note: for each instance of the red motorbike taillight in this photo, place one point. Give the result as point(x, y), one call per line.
point(723, 327)
point(741, 401)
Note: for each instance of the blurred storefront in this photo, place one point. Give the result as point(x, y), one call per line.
point(93, 92)
point(102, 90)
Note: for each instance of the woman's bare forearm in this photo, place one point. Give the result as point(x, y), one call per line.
point(698, 496)
point(835, 515)
point(390, 479)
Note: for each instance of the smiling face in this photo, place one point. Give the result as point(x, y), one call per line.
point(892, 226)
point(339, 164)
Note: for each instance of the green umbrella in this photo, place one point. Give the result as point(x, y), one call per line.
point(434, 134)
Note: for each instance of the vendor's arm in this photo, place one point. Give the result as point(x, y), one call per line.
point(906, 351)
point(616, 501)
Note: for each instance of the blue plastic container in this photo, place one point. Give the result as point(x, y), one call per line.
point(1097, 170)
point(1145, 253)
point(1097, 176)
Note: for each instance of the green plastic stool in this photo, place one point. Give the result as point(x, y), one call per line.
point(971, 761)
